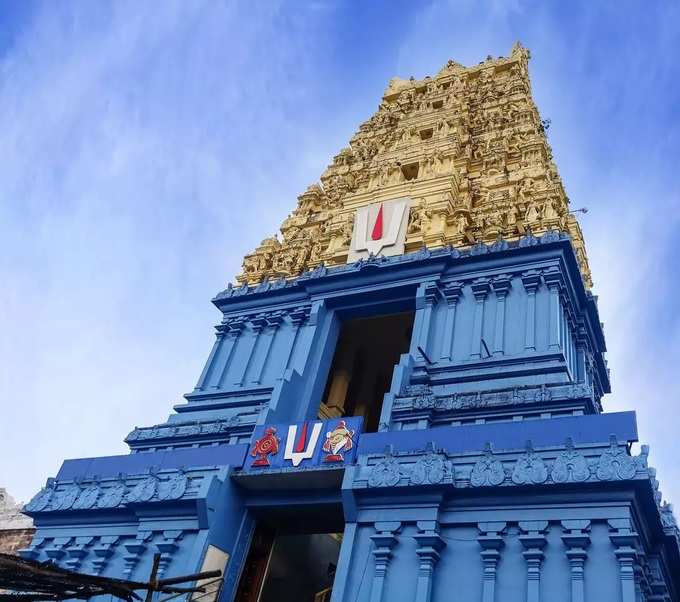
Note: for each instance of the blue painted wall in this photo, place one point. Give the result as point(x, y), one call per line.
point(494, 474)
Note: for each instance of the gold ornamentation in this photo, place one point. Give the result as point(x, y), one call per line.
point(467, 145)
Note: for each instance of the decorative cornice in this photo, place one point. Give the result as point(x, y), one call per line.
point(553, 466)
point(218, 429)
point(108, 494)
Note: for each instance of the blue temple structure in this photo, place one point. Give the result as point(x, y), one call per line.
point(421, 423)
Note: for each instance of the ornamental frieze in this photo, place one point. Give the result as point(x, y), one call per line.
point(109, 494)
point(422, 397)
point(494, 468)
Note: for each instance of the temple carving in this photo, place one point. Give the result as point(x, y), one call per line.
point(467, 146)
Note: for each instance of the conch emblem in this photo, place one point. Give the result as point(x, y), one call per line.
point(263, 447)
point(337, 441)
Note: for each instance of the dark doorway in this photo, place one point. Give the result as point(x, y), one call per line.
point(285, 567)
point(364, 360)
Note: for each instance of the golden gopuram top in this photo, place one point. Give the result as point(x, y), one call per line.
point(467, 147)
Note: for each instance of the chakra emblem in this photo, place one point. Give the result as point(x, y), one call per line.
point(337, 441)
point(263, 447)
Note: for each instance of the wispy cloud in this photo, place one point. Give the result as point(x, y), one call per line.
point(145, 150)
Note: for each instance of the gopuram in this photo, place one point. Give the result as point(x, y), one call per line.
point(404, 398)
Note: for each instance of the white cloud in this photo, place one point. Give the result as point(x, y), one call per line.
point(144, 151)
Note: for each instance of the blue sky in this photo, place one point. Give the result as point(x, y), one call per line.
point(146, 147)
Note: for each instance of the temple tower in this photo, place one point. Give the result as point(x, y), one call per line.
point(403, 400)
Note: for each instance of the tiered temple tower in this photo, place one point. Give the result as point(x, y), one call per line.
point(404, 397)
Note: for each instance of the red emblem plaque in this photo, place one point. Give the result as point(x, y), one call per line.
point(263, 447)
point(337, 441)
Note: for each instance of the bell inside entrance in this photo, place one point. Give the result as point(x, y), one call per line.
point(284, 567)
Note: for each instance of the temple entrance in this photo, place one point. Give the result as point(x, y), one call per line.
point(361, 372)
point(289, 567)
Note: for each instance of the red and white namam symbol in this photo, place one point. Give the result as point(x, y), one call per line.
point(379, 228)
point(266, 445)
point(337, 441)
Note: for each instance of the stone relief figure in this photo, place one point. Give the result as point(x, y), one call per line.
point(426, 166)
point(511, 217)
point(415, 222)
point(551, 210)
point(440, 162)
point(317, 251)
point(462, 221)
point(346, 231)
point(533, 213)
point(394, 175)
point(526, 190)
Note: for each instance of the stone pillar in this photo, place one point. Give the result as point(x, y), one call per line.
point(533, 542)
point(426, 298)
point(501, 285)
point(430, 544)
point(384, 539)
point(555, 282)
point(258, 323)
point(480, 289)
point(625, 541)
point(576, 540)
point(452, 293)
point(491, 542)
point(274, 320)
point(531, 281)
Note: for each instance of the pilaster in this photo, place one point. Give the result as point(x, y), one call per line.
point(501, 285)
point(384, 540)
point(430, 544)
point(531, 281)
point(297, 317)
point(554, 280)
point(233, 330)
point(77, 552)
point(426, 298)
point(533, 542)
point(103, 550)
point(491, 542)
point(625, 541)
point(480, 289)
point(274, 320)
point(208, 368)
point(56, 550)
point(576, 540)
point(167, 547)
point(258, 323)
point(135, 549)
point(453, 291)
